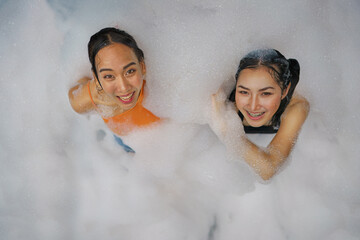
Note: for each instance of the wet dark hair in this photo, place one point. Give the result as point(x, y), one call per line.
point(284, 71)
point(108, 36)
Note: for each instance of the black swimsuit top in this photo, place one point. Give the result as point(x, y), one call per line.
point(262, 129)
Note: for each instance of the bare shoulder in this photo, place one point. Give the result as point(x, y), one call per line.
point(297, 110)
point(294, 117)
point(291, 122)
point(79, 96)
point(299, 102)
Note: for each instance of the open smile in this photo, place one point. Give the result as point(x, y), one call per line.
point(255, 116)
point(126, 99)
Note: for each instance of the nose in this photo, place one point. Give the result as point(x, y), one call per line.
point(122, 85)
point(254, 103)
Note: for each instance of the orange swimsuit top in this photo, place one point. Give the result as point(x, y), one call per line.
point(138, 116)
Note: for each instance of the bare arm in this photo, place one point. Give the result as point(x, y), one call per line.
point(267, 161)
point(81, 102)
point(79, 96)
point(227, 125)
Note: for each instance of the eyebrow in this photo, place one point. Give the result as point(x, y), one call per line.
point(130, 64)
point(105, 69)
point(125, 67)
point(260, 90)
point(266, 88)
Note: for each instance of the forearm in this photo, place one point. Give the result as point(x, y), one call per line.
point(228, 127)
point(267, 161)
point(264, 161)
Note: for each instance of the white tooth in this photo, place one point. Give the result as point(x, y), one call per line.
point(255, 115)
point(126, 98)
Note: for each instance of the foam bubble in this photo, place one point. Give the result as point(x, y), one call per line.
point(61, 178)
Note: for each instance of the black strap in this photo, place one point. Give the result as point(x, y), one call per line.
point(262, 129)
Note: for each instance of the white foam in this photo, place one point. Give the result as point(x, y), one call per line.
point(61, 178)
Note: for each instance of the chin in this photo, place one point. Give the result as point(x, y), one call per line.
point(128, 107)
point(255, 125)
point(260, 123)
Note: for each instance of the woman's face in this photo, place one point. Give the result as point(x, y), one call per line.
point(120, 73)
point(258, 96)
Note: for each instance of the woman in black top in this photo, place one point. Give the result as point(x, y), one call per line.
point(265, 103)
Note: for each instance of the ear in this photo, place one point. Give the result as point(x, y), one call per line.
point(143, 68)
point(285, 92)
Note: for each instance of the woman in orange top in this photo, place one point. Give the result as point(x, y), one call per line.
point(117, 88)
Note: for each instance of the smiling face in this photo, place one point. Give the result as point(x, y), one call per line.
point(120, 74)
point(258, 96)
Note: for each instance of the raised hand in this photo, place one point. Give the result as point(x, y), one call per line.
point(224, 119)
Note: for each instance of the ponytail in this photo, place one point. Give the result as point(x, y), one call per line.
point(294, 68)
point(293, 79)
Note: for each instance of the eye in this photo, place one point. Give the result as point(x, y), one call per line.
point(130, 71)
point(242, 92)
point(267, 94)
point(108, 77)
